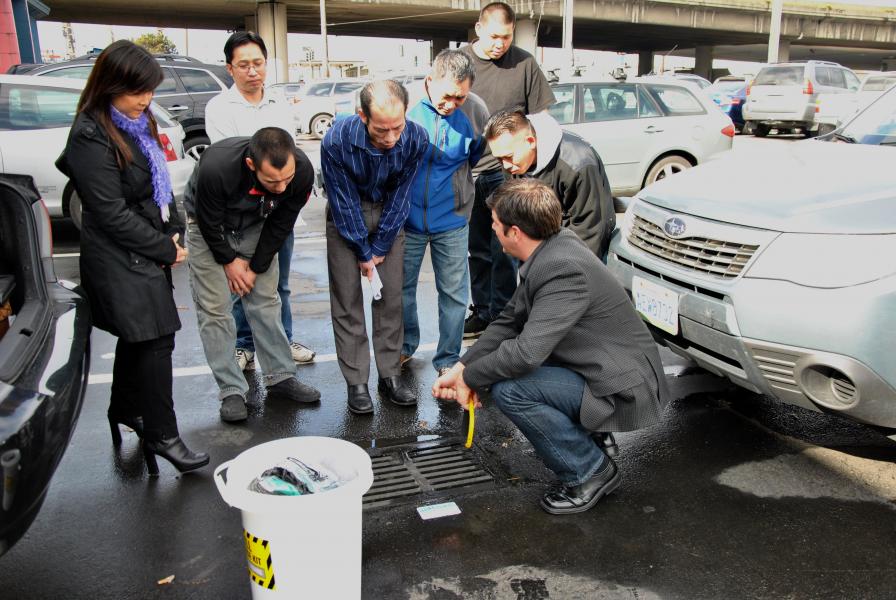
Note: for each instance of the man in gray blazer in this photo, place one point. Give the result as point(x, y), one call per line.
point(568, 355)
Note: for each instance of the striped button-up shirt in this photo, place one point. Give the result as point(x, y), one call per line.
point(355, 170)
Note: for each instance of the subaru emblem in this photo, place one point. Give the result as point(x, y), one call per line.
point(674, 227)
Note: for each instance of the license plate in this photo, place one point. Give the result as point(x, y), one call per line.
point(657, 304)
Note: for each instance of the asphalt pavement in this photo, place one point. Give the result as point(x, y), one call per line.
point(731, 496)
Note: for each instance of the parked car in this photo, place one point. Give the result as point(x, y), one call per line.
point(290, 92)
point(834, 109)
point(644, 129)
point(784, 96)
point(317, 107)
point(36, 114)
point(783, 283)
point(188, 86)
point(44, 357)
point(730, 93)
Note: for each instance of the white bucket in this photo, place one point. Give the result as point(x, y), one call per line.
point(301, 546)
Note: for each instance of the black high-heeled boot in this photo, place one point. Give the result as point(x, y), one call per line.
point(174, 451)
point(135, 423)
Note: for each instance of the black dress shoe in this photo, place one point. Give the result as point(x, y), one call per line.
point(174, 451)
point(397, 392)
point(359, 400)
point(606, 442)
point(293, 389)
point(579, 498)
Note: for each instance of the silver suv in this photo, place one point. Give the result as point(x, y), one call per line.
point(784, 96)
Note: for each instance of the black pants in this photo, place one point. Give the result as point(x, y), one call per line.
point(141, 385)
point(492, 272)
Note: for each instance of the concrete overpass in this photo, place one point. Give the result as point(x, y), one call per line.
point(857, 36)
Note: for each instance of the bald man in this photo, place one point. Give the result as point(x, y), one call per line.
point(369, 161)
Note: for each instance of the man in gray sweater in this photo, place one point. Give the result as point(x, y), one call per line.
point(568, 355)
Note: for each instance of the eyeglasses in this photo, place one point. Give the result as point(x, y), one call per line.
point(245, 67)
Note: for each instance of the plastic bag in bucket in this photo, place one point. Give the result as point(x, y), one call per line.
point(305, 546)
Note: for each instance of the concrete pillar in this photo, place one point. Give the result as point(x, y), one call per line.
point(271, 20)
point(525, 35)
point(438, 44)
point(703, 61)
point(645, 62)
point(784, 51)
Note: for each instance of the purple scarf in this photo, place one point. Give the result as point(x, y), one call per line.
point(139, 131)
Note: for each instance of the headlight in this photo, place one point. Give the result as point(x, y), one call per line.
point(826, 260)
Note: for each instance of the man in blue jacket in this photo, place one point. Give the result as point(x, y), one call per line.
point(441, 201)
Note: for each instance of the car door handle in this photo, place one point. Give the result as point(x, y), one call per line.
point(653, 129)
point(177, 108)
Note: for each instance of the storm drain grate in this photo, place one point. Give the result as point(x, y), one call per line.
point(434, 469)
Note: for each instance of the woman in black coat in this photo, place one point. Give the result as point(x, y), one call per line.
point(129, 242)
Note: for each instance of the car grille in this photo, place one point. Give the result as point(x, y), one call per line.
point(844, 389)
point(714, 257)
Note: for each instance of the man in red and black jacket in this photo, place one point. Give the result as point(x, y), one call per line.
point(247, 197)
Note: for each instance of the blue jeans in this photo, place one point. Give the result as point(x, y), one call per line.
point(545, 406)
point(243, 331)
point(492, 272)
point(448, 251)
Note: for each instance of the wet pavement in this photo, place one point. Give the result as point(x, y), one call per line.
point(731, 496)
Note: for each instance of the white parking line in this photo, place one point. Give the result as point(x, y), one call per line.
point(100, 378)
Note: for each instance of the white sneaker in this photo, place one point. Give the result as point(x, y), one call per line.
point(301, 354)
point(245, 359)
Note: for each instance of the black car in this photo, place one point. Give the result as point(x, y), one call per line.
point(188, 86)
point(44, 357)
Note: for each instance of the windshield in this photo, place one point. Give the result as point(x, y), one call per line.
point(876, 124)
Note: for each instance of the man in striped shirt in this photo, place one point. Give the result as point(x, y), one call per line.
point(368, 162)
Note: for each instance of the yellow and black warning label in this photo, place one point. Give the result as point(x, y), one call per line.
point(258, 557)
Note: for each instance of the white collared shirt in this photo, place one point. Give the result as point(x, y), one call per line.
point(229, 114)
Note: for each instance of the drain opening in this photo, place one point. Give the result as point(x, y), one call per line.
point(428, 470)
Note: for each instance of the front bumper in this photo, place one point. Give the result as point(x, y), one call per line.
point(791, 342)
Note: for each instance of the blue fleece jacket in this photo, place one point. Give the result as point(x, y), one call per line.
point(442, 191)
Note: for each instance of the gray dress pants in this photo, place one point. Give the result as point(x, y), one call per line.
point(347, 304)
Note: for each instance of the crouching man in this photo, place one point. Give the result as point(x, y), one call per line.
point(568, 355)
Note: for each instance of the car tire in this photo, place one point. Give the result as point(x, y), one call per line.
point(320, 124)
point(761, 129)
point(194, 146)
point(665, 167)
point(74, 209)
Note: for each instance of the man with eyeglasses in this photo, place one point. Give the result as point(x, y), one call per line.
point(241, 111)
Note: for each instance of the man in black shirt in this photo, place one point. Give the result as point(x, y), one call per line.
point(248, 194)
point(507, 78)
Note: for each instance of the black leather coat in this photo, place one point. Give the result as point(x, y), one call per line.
point(125, 246)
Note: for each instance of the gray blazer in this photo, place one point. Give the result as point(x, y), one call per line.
point(569, 311)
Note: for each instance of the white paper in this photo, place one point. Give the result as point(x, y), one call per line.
point(435, 511)
point(375, 286)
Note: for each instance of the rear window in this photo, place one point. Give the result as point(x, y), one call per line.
point(676, 101)
point(879, 84)
point(780, 76)
point(728, 87)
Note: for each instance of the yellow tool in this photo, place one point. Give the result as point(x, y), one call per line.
point(472, 409)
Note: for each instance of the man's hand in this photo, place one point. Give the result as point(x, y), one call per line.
point(181, 251)
point(378, 260)
point(367, 268)
point(240, 278)
point(451, 386)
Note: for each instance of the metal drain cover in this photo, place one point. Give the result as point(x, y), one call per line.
point(434, 468)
